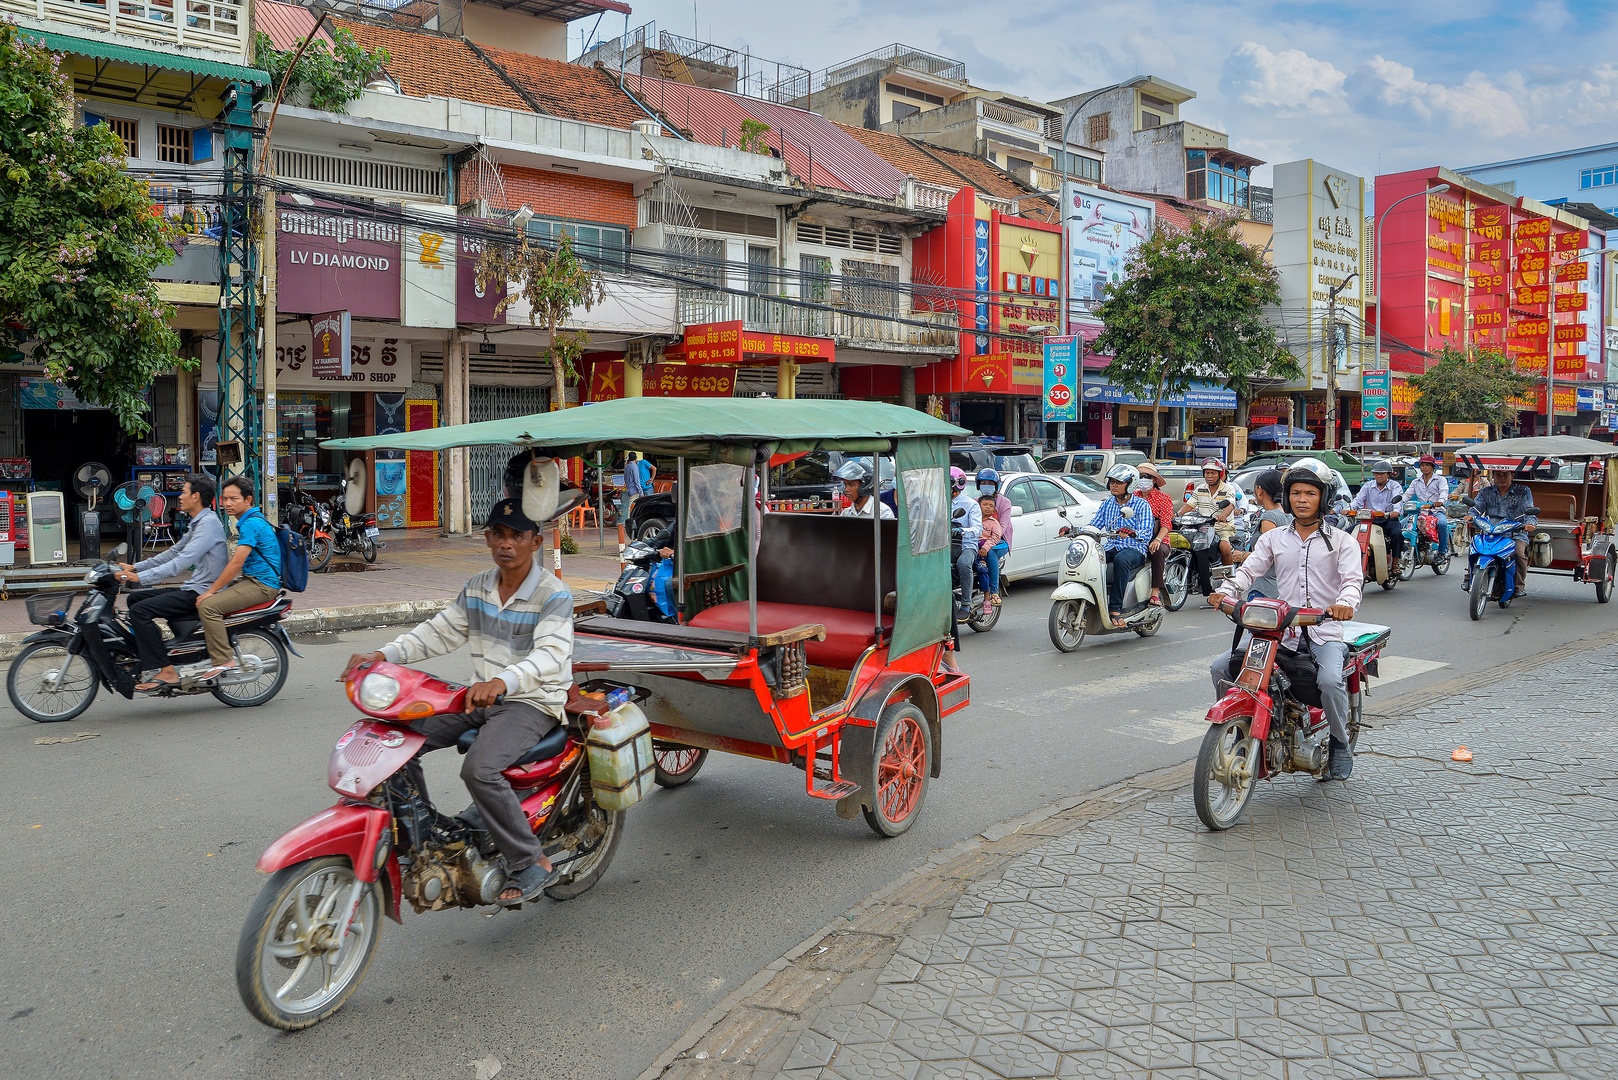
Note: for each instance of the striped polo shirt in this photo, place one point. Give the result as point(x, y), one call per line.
point(527, 643)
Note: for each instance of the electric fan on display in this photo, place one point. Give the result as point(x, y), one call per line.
point(135, 503)
point(91, 480)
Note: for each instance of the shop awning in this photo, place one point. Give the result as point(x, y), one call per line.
point(128, 54)
point(1201, 395)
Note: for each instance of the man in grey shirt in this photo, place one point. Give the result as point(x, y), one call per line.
point(204, 552)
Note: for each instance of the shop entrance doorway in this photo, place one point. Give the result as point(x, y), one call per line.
point(59, 441)
point(487, 464)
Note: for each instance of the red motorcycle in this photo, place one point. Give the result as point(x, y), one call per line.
point(1269, 720)
point(1373, 543)
point(313, 930)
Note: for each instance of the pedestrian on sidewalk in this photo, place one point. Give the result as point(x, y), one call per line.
point(636, 483)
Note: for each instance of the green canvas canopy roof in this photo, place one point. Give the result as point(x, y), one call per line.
point(715, 428)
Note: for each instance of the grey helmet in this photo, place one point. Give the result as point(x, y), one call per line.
point(1127, 473)
point(857, 469)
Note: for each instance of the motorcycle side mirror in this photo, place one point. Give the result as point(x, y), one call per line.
point(1222, 504)
point(960, 513)
point(120, 552)
point(1467, 500)
point(1531, 511)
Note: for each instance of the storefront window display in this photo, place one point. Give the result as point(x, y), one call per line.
point(305, 420)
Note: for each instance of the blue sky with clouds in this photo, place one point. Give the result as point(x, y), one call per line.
point(1367, 85)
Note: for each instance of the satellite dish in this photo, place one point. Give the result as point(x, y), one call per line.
point(91, 480)
point(354, 490)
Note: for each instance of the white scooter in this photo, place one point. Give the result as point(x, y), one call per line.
point(1079, 604)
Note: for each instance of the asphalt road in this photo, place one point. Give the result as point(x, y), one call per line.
point(132, 856)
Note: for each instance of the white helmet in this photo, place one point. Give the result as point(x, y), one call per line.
point(1309, 471)
point(1127, 473)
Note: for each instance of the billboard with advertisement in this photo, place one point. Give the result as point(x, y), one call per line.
point(1061, 380)
point(1103, 229)
point(327, 258)
point(1317, 245)
point(1376, 400)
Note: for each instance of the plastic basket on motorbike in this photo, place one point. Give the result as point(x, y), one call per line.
point(1577, 518)
point(806, 639)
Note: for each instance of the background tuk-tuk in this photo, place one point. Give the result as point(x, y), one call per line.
point(807, 639)
point(1577, 517)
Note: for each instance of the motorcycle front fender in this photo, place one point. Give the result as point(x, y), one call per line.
point(349, 829)
point(55, 633)
point(1074, 590)
point(1235, 705)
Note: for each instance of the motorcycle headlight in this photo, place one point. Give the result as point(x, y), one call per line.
point(90, 576)
point(378, 691)
point(1261, 618)
point(1076, 552)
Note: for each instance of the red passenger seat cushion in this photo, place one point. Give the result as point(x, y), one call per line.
point(848, 633)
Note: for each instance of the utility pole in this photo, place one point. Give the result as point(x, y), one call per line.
point(1330, 353)
point(271, 426)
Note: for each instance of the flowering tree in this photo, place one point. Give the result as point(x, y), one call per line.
point(78, 241)
point(1190, 308)
point(554, 281)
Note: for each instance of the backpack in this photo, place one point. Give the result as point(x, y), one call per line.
point(294, 559)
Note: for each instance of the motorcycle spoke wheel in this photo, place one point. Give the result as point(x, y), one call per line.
point(984, 616)
point(1441, 564)
point(676, 764)
point(1478, 599)
point(1066, 624)
point(48, 684)
point(295, 965)
point(1407, 564)
point(262, 659)
point(598, 830)
point(1224, 779)
point(319, 553)
point(368, 549)
point(1604, 586)
point(1176, 585)
point(904, 753)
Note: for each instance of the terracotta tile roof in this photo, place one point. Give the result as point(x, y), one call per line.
point(952, 169)
point(1175, 213)
point(426, 65)
point(287, 24)
point(568, 90)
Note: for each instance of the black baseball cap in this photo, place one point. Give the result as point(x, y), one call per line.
point(508, 512)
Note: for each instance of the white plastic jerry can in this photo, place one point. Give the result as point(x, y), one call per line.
point(621, 766)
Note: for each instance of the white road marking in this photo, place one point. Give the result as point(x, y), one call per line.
point(1179, 727)
point(1394, 668)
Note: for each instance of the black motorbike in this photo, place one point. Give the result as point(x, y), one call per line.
point(641, 591)
point(61, 668)
point(352, 534)
point(313, 520)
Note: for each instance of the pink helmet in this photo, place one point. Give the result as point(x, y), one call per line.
point(957, 479)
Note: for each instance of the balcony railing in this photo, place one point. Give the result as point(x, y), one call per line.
point(923, 196)
point(846, 327)
point(1010, 114)
point(198, 24)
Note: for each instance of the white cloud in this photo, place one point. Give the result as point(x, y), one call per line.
point(1290, 80)
point(1476, 105)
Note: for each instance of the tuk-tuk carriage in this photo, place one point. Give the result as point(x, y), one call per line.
point(806, 639)
point(1577, 518)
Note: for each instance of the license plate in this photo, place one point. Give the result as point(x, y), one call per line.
point(372, 530)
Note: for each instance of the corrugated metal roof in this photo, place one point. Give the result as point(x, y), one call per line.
point(128, 54)
point(287, 24)
point(715, 117)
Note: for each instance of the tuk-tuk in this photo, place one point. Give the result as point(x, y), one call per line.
point(806, 639)
point(1577, 518)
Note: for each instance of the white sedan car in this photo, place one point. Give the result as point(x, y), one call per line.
point(1042, 504)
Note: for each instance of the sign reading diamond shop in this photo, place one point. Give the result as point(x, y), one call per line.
point(327, 259)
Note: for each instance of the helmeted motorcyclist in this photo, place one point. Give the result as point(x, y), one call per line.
point(1430, 488)
point(1205, 496)
point(1130, 517)
point(988, 482)
point(859, 487)
point(971, 523)
point(1384, 493)
point(1315, 566)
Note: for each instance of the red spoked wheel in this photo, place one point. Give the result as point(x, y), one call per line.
point(676, 764)
point(903, 762)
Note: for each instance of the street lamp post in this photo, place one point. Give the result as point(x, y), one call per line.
point(1377, 359)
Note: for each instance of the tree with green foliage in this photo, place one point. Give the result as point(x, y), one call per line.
point(78, 242)
point(1190, 308)
point(1477, 387)
point(333, 76)
point(554, 281)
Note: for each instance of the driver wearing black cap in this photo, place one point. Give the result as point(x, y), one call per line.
point(518, 619)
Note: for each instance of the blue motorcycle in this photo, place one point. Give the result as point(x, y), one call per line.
point(1421, 524)
point(1494, 562)
point(645, 589)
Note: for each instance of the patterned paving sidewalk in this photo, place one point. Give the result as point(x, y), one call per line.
point(1427, 918)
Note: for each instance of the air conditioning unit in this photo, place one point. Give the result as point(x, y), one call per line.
point(47, 527)
point(8, 524)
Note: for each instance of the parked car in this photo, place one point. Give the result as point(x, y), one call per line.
point(1041, 506)
point(809, 477)
point(973, 455)
point(1244, 477)
point(1352, 468)
point(1089, 462)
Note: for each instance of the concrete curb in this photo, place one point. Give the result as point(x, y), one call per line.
point(312, 620)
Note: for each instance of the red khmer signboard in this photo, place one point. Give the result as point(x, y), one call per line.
point(327, 259)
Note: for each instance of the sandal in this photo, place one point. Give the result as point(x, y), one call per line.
point(1156, 601)
point(531, 880)
point(156, 685)
point(1119, 624)
point(215, 672)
